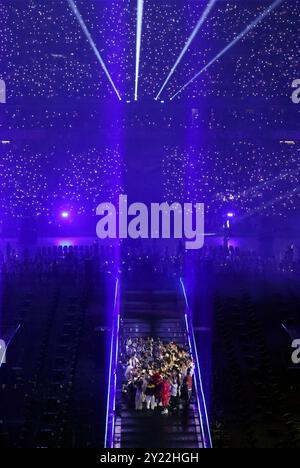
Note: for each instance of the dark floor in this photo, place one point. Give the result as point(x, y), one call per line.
point(53, 388)
point(253, 386)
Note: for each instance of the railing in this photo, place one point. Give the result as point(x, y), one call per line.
point(201, 401)
point(5, 343)
point(113, 365)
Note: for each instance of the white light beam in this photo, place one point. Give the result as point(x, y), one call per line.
point(93, 45)
point(254, 23)
point(187, 45)
point(139, 27)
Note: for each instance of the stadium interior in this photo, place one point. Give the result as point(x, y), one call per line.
point(96, 108)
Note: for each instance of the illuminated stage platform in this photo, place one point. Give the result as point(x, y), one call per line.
point(164, 315)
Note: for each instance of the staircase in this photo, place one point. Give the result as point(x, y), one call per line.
point(142, 317)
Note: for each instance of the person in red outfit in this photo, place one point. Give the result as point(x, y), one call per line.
point(165, 394)
point(157, 381)
point(187, 388)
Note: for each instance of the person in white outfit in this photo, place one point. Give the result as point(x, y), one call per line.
point(129, 373)
point(133, 361)
point(139, 395)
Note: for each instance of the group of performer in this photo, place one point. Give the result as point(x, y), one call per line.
point(158, 374)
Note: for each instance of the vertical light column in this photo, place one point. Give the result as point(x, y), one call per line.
point(139, 28)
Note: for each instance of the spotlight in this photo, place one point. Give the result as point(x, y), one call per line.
point(93, 45)
point(187, 45)
point(249, 28)
point(230, 215)
point(65, 243)
point(65, 214)
point(139, 26)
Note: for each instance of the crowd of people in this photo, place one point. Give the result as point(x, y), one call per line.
point(78, 169)
point(46, 261)
point(267, 172)
point(38, 181)
point(74, 166)
point(64, 64)
point(157, 374)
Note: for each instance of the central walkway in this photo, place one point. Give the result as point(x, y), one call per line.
point(156, 315)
